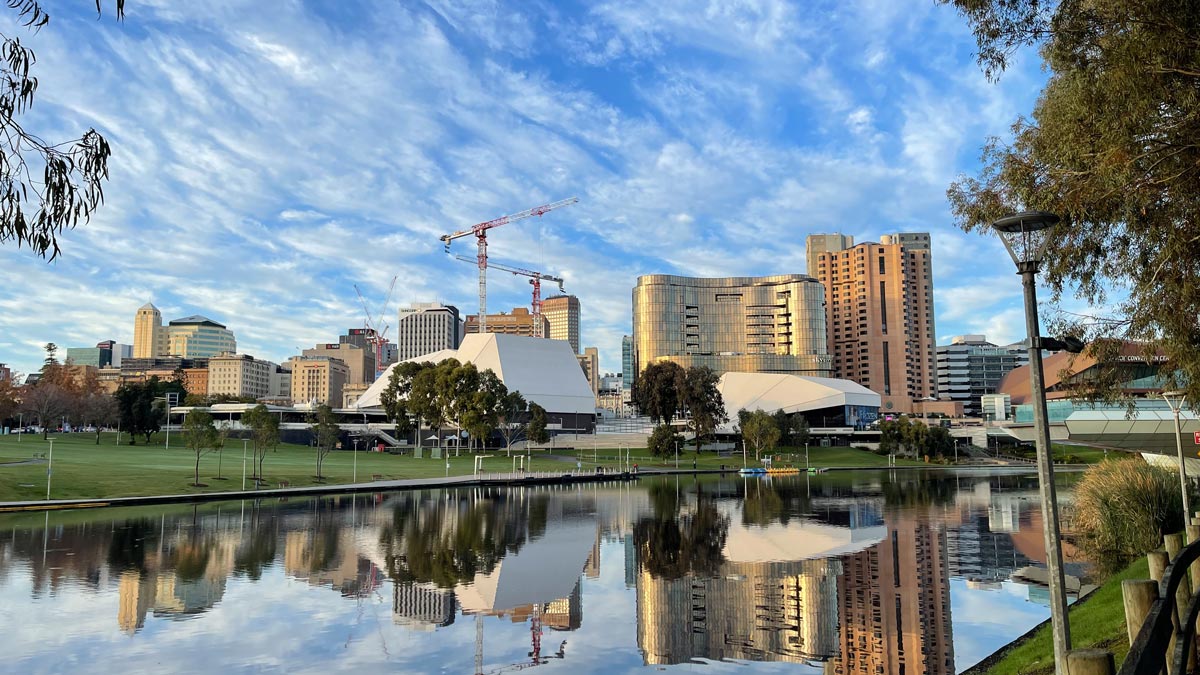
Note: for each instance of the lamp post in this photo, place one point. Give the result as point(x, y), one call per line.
point(355, 478)
point(49, 466)
point(20, 426)
point(1176, 399)
point(676, 454)
point(1025, 236)
point(244, 441)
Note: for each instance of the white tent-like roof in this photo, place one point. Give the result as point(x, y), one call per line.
point(790, 393)
point(546, 372)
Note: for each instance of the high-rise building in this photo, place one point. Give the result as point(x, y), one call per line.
point(149, 335)
point(770, 324)
point(360, 360)
point(589, 360)
point(279, 383)
point(970, 367)
point(318, 379)
point(427, 327)
point(239, 375)
point(198, 337)
point(816, 244)
point(562, 311)
point(520, 322)
point(879, 312)
point(104, 355)
point(628, 362)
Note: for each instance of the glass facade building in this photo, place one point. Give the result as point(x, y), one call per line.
point(197, 337)
point(772, 324)
point(628, 362)
point(970, 367)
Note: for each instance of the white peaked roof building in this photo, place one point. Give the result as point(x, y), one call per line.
point(791, 393)
point(546, 372)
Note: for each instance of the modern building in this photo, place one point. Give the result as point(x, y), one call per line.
point(149, 335)
point(970, 367)
point(770, 324)
point(427, 327)
point(562, 311)
point(589, 361)
point(824, 402)
point(198, 337)
point(279, 384)
point(995, 407)
point(1135, 371)
point(318, 380)
point(628, 362)
point(100, 356)
point(519, 322)
point(544, 371)
point(360, 360)
point(879, 314)
point(239, 375)
point(816, 244)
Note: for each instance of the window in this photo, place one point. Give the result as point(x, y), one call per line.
point(881, 265)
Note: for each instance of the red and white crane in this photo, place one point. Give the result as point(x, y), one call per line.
point(376, 326)
point(480, 232)
point(535, 280)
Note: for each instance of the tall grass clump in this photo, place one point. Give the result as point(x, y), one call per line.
point(1124, 507)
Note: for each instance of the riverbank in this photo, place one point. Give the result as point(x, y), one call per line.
point(1097, 621)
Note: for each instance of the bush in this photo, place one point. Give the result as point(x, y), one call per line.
point(662, 442)
point(1124, 507)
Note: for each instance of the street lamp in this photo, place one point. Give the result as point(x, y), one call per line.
point(355, 478)
point(1025, 236)
point(1176, 399)
point(49, 466)
point(244, 442)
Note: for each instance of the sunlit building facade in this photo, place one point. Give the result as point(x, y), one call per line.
point(198, 337)
point(772, 324)
point(562, 311)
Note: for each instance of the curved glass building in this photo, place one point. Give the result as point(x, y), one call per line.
point(770, 324)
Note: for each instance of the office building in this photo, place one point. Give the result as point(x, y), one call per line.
point(970, 367)
point(520, 322)
point(562, 311)
point(279, 384)
point(318, 380)
point(427, 327)
point(589, 361)
point(197, 337)
point(391, 354)
point(104, 355)
point(149, 335)
point(816, 244)
point(239, 375)
point(628, 362)
point(360, 360)
point(879, 313)
point(770, 324)
point(995, 407)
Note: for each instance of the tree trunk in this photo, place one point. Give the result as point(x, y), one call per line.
point(97, 435)
point(197, 468)
point(220, 456)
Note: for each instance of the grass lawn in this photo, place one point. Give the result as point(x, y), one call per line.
point(83, 469)
point(1098, 621)
point(818, 457)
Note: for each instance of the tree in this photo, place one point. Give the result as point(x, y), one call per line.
point(485, 406)
point(801, 431)
point(535, 431)
point(47, 402)
point(395, 398)
point(325, 432)
point(702, 400)
point(200, 435)
point(941, 443)
point(136, 408)
point(1113, 146)
point(45, 187)
point(97, 409)
point(264, 434)
point(663, 441)
point(424, 401)
point(759, 429)
point(10, 403)
point(511, 420)
point(657, 392)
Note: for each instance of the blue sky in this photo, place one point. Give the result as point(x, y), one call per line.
point(269, 156)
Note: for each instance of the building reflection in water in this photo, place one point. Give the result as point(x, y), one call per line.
point(853, 578)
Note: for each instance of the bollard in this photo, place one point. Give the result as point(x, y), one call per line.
point(1090, 662)
point(1138, 595)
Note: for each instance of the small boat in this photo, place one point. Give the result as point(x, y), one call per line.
point(752, 471)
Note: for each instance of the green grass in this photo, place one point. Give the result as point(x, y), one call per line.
point(1098, 621)
point(83, 469)
point(840, 457)
point(1084, 454)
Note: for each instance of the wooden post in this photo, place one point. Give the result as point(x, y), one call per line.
point(1090, 662)
point(1138, 595)
point(1158, 561)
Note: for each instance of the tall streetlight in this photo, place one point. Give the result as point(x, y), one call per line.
point(1025, 235)
point(49, 466)
point(244, 442)
point(1176, 399)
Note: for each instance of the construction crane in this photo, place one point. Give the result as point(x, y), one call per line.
point(535, 280)
point(480, 232)
point(376, 326)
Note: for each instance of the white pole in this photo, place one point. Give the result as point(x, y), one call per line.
point(244, 464)
point(168, 423)
point(355, 478)
point(676, 454)
point(21, 427)
point(49, 466)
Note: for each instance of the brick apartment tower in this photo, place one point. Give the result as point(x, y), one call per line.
point(879, 314)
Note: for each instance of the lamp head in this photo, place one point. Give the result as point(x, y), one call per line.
point(1026, 235)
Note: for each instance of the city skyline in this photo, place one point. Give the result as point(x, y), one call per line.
point(795, 131)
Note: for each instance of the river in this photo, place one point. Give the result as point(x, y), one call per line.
point(879, 572)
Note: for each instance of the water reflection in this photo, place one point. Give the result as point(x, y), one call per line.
point(847, 573)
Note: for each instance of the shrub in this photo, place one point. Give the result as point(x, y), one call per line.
point(1124, 507)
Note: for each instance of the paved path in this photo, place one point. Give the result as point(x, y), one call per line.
point(23, 462)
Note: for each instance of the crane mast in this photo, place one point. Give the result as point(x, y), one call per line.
point(535, 280)
point(377, 326)
point(479, 230)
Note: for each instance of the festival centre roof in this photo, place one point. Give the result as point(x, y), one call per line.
point(790, 393)
point(546, 372)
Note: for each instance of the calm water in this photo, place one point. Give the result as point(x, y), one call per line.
point(847, 573)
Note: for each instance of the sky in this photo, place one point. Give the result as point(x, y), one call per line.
point(269, 156)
